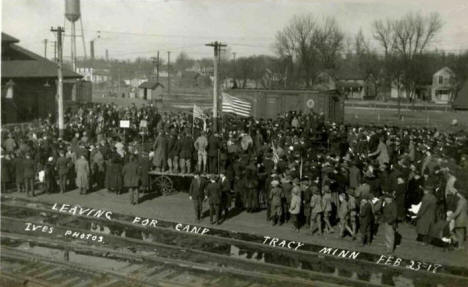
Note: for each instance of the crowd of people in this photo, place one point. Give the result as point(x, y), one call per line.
point(318, 176)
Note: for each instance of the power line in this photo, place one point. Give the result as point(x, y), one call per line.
point(179, 35)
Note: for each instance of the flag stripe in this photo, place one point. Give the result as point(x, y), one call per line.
point(236, 106)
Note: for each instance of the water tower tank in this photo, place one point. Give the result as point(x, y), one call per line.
point(72, 10)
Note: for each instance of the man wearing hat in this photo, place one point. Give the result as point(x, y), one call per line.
point(389, 222)
point(275, 201)
point(426, 215)
point(286, 187)
point(459, 214)
point(200, 146)
point(225, 189)
point(366, 219)
point(196, 194)
point(306, 196)
point(316, 210)
point(28, 174)
point(185, 155)
point(62, 165)
point(214, 195)
point(295, 205)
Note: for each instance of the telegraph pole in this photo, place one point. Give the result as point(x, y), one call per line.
point(55, 51)
point(45, 48)
point(157, 68)
point(168, 73)
point(59, 30)
point(217, 47)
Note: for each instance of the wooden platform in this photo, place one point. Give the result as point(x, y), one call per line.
point(166, 173)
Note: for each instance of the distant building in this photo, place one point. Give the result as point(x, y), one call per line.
point(354, 84)
point(151, 91)
point(443, 86)
point(28, 84)
point(397, 90)
point(135, 82)
point(94, 75)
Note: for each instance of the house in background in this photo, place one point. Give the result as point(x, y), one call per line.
point(94, 75)
point(443, 86)
point(353, 83)
point(398, 91)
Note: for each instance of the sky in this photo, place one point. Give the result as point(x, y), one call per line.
point(139, 28)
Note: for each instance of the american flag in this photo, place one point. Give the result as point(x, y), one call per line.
point(236, 106)
point(198, 113)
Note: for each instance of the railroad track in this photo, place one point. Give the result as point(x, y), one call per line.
point(219, 255)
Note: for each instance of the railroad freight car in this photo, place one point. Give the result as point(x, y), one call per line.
point(270, 103)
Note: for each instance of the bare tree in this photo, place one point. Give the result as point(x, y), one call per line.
point(312, 45)
point(404, 40)
point(328, 41)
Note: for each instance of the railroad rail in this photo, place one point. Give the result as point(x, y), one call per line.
point(218, 251)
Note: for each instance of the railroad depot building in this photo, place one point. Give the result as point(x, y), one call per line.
point(28, 84)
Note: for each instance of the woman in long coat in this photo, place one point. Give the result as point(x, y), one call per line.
point(131, 179)
point(426, 215)
point(115, 174)
point(144, 166)
point(82, 174)
point(252, 192)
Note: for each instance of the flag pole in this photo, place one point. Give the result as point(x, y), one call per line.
point(193, 118)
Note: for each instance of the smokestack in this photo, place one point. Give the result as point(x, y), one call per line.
point(91, 49)
point(107, 55)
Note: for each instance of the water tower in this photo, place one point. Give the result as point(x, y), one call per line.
point(73, 14)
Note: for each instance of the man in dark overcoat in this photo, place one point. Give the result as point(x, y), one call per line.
point(62, 165)
point(131, 179)
point(225, 188)
point(426, 215)
point(197, 195)
point(366, 219)
point(28, 174)
point(185, 155)
point(214, 195)
point(213, 147)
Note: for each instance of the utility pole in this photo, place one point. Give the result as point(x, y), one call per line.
point(156, 64)
point(157, 69)
point(91, 49)
point(217, 47)
point(45, 48)
point(168, 72)
point(59, 30)
point(234, 70)
point(55, 51)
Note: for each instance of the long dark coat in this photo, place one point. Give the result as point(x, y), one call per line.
point(426, 214)
point(28, 168)
point(186, 147)
point(115, 173)
point(19, 170)
point(366, 217)
point(62, 166)
point(130, 174)
point(144, 166)
point(214, 193)
point(196, 189)
point(6, 165)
